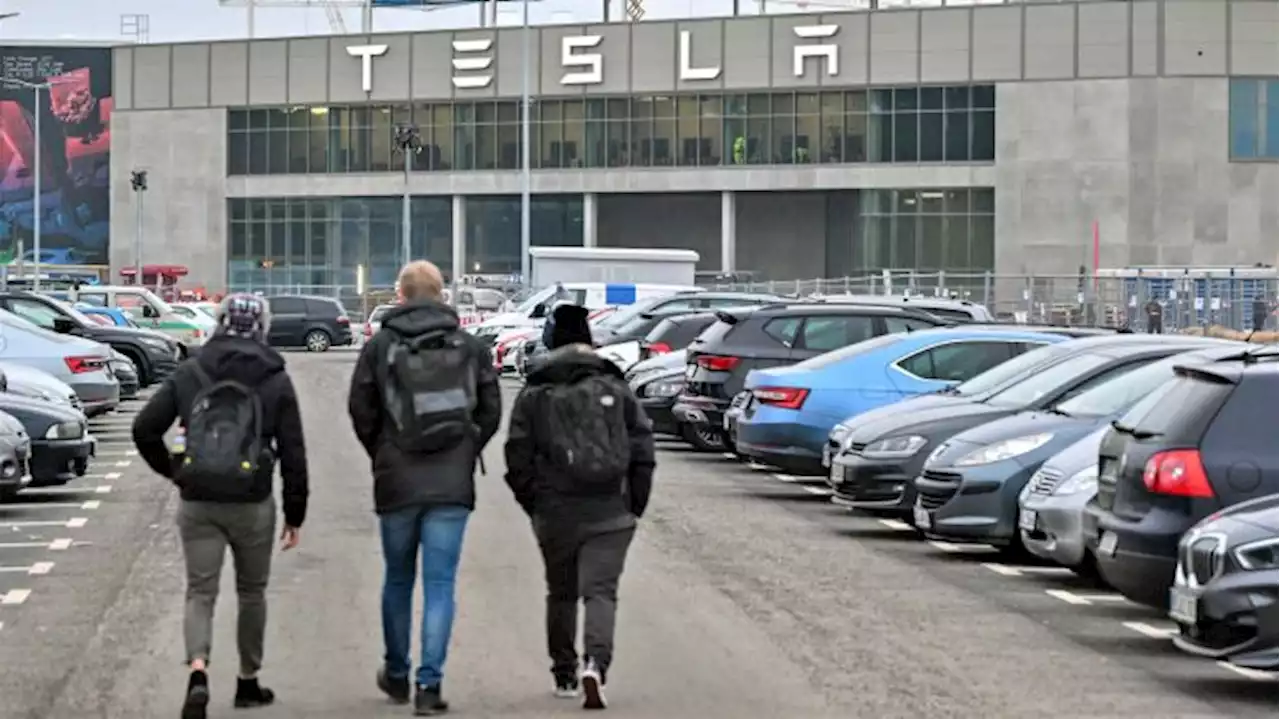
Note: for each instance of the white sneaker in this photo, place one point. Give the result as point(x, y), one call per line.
point(567, 689)
point(593, 687)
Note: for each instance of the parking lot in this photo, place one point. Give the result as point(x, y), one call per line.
point(747, 595)
point(1069, 606)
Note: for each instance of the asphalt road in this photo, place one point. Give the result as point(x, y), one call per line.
point(746, 596)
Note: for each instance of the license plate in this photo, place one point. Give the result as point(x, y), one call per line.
point(921, 517)
point(1184, 607)
point(1107, 543)
point(1027, 520)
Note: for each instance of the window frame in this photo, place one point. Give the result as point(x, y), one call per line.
point(1008, 344)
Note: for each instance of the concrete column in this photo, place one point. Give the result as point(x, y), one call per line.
point(459, 238)
point(728, 231)
point(589, 220)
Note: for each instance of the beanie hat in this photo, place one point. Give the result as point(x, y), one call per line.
point(569, 326)
point(244, 315)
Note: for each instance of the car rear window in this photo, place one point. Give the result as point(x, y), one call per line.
point(287, 305)
point(1049, 379)
point(1183, 410)
point(845, 353)
point(946, 314)
point(1123, 391)
point(783, 330)
point(717, 332)
point(678, 333)
point(1011, 371)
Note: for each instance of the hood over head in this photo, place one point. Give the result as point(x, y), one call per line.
point(226, 356)
point(419, 317)
point(570, 364)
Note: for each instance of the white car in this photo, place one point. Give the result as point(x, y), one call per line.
point(531, 313)
point(197, 315)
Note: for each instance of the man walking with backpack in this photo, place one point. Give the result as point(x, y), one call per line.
point(424, 402)
point(580, 462)
point(240, 413)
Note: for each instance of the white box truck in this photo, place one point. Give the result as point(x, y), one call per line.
point(611, 265)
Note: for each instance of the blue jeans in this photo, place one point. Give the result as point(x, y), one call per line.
point(439, 531)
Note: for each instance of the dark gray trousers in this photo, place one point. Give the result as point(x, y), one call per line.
point(582, 562)
point(207, 529)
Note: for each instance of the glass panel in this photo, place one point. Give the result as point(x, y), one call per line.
point(464, 136)
point(258, 152)
point(957, 242)
point(984, 200)
point(381, 156)
point(318, 139)
point(956, 98)
point(711, 131)
point(982, 243)
point(486, 137)
point(664, 132)
point(932, 252)
point(687, 131)
point(983, 97)
point(238, 153)
point(904, 242)
point(339, 139)
point(855, 137)
point(237, 120)
point(550, 133)
point(758, 136)
point(361, 140)
point(956, 201)
point(1243, 109)
point(906, 127)
point(984, 136)
point(782, 130)
point(509, 146)
point(930, 98)
point(641, 128)
point(931, 137)
point(574, 134)
point(808, 136)
point(1272, 110)
point(595, 133)
point(956, 143)
point(831, 143)
point(880, 137)
point(906, 98)
point(442, 137)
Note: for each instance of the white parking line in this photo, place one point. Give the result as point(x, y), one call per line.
point(1249, 673)
point(821, 491)
point(59, 491)
point(1149, 630)
point(1018, 571)
point(895, 524)
point(37, 568)
point(15, 596)
point(125, 453)
point(90, 504)
point(944, 546)
point(55, 545)
point(757, 467)
point(1084, 599)
point(125, 463)
point(730, 455)
point(74, 523)
point(786, 478)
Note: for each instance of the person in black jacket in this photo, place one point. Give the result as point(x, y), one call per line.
point(245, 520)
point(422, 499)
point(583, 538)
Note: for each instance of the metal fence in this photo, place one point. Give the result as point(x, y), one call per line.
point(1188, 301)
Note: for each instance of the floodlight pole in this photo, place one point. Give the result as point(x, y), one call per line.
point(526, 176)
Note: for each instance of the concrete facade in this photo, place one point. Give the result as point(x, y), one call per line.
point(1107, 112)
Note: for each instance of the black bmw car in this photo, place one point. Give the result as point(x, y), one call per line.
point(1224, 590)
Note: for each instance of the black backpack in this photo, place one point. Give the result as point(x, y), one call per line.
point(429, 389)
point(223, 448)
point(586, 439)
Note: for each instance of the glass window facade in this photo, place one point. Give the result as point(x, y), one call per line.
point(881, 125)
point(927, 230)
point(310, 244)
point(1254, 118)
point(314, 244)
point(493, 229)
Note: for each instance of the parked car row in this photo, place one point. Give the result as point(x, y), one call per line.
point(1147, 463)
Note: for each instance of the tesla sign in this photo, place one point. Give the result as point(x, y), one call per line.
point(583, 63)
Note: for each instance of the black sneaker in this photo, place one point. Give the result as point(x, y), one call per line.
point(396, 689)
point(567, 686)
point(194, 706)
point(593, 680)
point(428, 702)
point(250, 694)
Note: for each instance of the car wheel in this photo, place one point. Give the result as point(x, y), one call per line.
point(317, 341)
point(703, 438)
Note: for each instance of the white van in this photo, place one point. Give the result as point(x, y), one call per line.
point(592, 295)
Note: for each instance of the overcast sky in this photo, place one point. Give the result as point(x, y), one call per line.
point(176, 20)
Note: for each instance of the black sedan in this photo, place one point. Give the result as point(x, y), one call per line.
point(15, 453)
point(60, 441)
point(1225, 586)
point(126, 374)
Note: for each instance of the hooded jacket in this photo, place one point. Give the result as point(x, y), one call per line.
point(403, 479)
point(260, 367)
point(527, 469)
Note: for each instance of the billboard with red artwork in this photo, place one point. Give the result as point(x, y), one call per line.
point(75, 142)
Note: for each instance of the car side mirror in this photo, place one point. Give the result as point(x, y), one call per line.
point(62, 325)
point(539, 311)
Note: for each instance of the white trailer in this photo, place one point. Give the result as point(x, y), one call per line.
point(611, 265)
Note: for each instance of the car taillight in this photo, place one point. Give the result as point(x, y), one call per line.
point(344, 320)
point(784, 397)
point(80, 365)
point(716, 363)
point(1179, 473)
point(658, 348)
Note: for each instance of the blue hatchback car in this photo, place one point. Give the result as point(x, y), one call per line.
point(792, 409)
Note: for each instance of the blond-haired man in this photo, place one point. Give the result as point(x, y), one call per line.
point(424, 402)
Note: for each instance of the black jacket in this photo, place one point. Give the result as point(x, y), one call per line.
point(405, 480)
point(260, 367)
point(527, 469)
